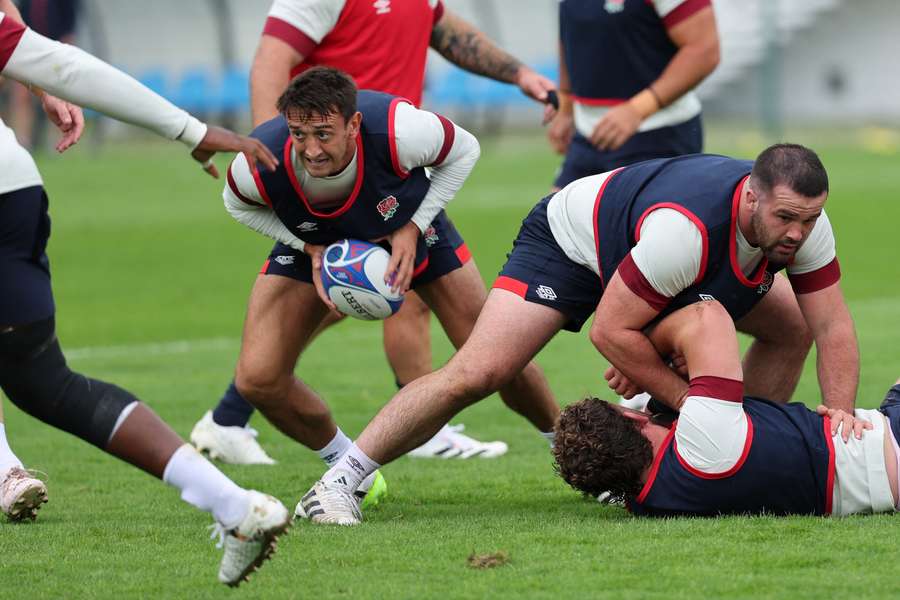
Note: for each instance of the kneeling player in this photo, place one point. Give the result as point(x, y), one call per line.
point(727, 453)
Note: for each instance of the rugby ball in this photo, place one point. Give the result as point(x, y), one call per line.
point(353, 278)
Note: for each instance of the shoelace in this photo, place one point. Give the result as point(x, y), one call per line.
point(218, 530)
point(20, 473)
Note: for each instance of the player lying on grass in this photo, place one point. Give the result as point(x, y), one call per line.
point(354, 166)
point(628, 247)
point(728, 453)
point(33, 370)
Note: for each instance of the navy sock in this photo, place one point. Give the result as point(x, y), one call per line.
point(232, 410)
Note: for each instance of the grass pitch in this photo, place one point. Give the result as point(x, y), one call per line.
point(151, 279)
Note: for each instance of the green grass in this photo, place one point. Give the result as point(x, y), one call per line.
point(143, 253)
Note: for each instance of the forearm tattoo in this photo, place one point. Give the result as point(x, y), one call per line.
point(468, 48)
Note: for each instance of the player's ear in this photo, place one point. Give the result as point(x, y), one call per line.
point(354, 123)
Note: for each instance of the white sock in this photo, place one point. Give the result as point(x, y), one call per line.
point(351, 469)
point(8, 460)
point(335, 449)
point(206, 487)
point(549, 436)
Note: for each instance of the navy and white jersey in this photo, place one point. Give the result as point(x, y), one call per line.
point(669, 226)
point(785, 465)
point(383, 199)
point(383, 188)
point(613, 49)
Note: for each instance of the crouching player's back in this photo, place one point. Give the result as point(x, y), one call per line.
point(726, 453)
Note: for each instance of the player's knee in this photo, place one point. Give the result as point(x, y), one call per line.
point(710, 318)
point(472, 380)
point(35, 377)
point(259, 386)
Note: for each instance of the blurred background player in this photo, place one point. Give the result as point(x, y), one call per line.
point(345, 151)
point(627, 71)
point(384, 47)
point(728, 453)
point(33, 371)
point(54, 19)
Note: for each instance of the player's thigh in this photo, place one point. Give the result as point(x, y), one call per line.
point(509, 332)
point(282, 315)
point(456, 299)
point(777, 317)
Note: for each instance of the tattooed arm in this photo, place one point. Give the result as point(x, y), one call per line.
point(468, 48)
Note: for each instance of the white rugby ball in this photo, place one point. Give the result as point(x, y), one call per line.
point(353, 278)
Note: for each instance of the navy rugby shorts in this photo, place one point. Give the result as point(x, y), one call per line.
point(441, 250)
point(539, 271)
point(25, 293)
point(583, 159)
point(890, 408)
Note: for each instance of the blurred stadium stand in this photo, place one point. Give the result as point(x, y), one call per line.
point(807, 60)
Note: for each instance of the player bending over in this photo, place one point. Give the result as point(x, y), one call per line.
point(33, 370)
point(354, 166)
point(728, 453)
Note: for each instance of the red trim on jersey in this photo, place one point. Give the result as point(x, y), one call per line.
point(290, 35)
point(418, 270)
point(685, 10)
point(694, 219)
point(360, 168)
point(463, 254)
point(654, 469)
point(392, 138)
point(11, 32)
point(637, 283)
point(519, 288)
point(438, 13)
point(597, 225)
point(760, 271)
point(720, 388)
point(234, 189)
point(748, 441)
point(259, 184)
point(599, 101)
point(449, 137)
point(821, 278)
point(829, 483)
point(265, 267)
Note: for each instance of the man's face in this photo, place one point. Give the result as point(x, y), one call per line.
point(324, 143)
point(782, 220)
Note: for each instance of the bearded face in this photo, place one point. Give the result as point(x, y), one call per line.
point(782, 221)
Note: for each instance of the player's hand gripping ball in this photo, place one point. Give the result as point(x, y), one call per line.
point(353, 277)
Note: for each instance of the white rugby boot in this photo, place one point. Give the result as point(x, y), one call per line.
point(636, 402)
point(21, 495)
point(329, 503)
point(450, 442)
point(253, 541)
point(233, 445)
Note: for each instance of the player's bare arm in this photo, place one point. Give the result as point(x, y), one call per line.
point(467, 47)
point(562, 127)
point(617, 332)
point(837, 361)
point(698, 55)
point(269, 75)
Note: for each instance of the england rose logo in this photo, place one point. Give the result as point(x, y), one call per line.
point(388, 207)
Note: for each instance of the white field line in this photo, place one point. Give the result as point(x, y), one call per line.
point(152, 349)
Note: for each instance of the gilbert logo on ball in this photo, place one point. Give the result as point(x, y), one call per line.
point(353, 278)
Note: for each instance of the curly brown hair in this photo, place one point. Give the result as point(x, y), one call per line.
point(597, 449)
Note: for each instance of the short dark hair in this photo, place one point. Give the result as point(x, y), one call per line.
point(793, 165)
point(321, 91)
point(598, 449)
